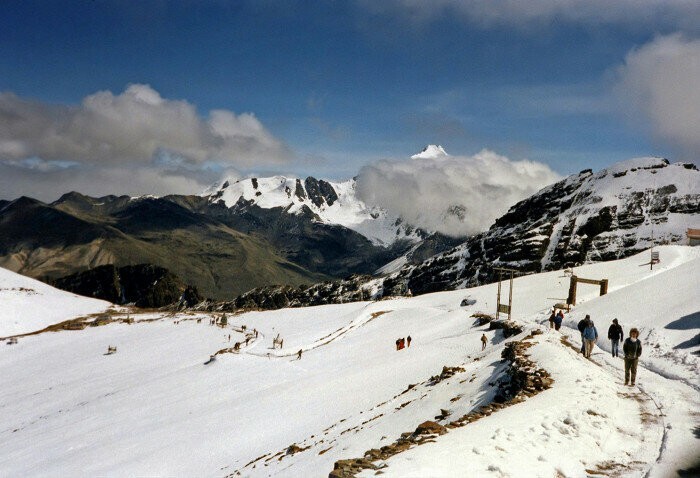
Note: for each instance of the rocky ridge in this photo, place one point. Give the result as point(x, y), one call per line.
point(587, 217)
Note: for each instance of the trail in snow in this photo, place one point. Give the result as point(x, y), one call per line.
point(615, 371)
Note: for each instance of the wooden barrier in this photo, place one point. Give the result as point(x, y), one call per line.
point(571, 300)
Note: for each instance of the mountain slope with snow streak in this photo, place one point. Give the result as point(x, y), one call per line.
point(28, 305)
point(154, 408)
point(587, 217)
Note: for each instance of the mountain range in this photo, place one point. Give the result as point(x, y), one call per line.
point(242, 237)
point(238, 235)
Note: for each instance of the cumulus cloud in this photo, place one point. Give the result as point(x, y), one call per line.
point(455, 195)
point(659, 84)
point(684, 14)
point(137, 131)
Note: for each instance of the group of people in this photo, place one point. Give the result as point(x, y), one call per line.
point(556, 319)
point(631, 348)
point(401, 343)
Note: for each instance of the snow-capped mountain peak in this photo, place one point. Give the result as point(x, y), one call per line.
point(432, 151)
point(331, 202)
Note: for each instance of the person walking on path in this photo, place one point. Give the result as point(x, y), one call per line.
point(632, 348)
point(558, 319)
point(590, 335)
point(484, 339)
point(299, 354)
point(615, 335)
point(581, 326)
point(398, 341)
point(408, 341)
point(551, 318)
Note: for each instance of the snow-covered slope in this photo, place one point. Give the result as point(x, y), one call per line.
point(154, 408)
point(27, 305)
point(331, 202)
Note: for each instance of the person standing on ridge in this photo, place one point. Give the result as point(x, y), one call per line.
point(632, 348)
point(299, 354)
point(590, 335)
point(484, 339)
point(581, 326)
point(615, 335)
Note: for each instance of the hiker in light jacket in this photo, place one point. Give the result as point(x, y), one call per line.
point(632, 348)
point(615, 335)
point(590, 335)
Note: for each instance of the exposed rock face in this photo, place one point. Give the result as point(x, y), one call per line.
point(586, 217)
point(353, 289)
point(144, 285)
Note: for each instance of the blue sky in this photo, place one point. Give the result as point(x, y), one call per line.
point(339, 84)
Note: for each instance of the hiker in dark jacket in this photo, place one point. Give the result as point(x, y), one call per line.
point(408, 341)
point(581, 326)
point(590, 336)
point(632, 348)
point(615, 335)
point(551, 318)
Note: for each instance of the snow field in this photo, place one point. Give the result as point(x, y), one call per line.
point(155, 409)
point(29, 305)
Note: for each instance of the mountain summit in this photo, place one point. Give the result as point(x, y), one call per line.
point(432, 151)
point(328, 202)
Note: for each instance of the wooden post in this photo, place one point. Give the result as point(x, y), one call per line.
point(498, 297)
point(510, 295)
point(604, 287)
point(572, 291)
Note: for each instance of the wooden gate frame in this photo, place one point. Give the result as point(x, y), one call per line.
point(571, 300)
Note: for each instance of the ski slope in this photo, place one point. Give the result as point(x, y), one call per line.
point(155, 409)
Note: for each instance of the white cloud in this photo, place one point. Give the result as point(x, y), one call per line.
point(135, 131)
point(428, 192)
point(681, 14)
point(659, 83)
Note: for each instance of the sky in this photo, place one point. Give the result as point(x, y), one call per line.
point(164, 97)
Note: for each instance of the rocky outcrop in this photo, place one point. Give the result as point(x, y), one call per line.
point(521, 380)
point(354, 288)
point(144, 285)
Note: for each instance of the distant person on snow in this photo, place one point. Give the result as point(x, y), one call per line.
point(615, 335)
point(581, 326)
point(551, 318)
point(632, 348)
point(299, 354)
point(558, 319)
point(398, 341)
point(590, 335)
point(408, 341)
point(484, 339)
point(402, 343)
